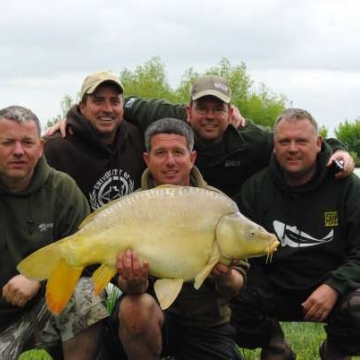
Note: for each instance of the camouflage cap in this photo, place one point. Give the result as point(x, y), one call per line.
point(211, 85)
point(92, 81)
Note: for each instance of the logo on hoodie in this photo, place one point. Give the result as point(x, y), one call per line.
point(114, 184)
point(293, 237)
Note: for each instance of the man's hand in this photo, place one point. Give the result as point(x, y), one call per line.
point(133, 277)
point(235, 117)
point(228, 280)
point(19, 290)
point(59, 126)
point(348, 162)
point(319, 304)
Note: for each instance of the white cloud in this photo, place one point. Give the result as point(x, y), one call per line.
point(308, 50)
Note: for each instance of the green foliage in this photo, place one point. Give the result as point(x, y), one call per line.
point(150, 81)
point(323, 131)
point(66, 103)
point(36, 354)
point(349, 134)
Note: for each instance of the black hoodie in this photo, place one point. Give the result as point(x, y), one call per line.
point(318, 225)
point(102, 172)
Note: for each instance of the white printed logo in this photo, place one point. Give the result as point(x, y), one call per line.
point(112, 185)
point(45, 227)
point(292, 237)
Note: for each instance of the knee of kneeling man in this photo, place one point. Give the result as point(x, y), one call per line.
point(140, 308)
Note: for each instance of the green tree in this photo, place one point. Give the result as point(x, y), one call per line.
point(323, 131)
point(150, 81)
point(66, 103)
point(349, 134)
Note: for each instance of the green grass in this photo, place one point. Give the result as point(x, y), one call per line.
point(304, 338)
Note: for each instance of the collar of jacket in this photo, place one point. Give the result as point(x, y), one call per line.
point(216, 153)
point(196, 179)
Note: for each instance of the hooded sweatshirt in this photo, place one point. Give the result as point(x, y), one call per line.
point(50, 208)
point(317, 223)
point(103, 172)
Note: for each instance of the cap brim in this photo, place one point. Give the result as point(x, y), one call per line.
point(93, 87)
point(217, 94)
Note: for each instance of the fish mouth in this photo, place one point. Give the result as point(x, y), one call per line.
point(272, 247)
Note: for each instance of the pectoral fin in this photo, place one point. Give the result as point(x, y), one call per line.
point(167, 290)
point(60, 285)
point(204, 273)
point(102, 277)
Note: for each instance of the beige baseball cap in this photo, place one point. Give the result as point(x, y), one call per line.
point(211, 85)
point(92, 81)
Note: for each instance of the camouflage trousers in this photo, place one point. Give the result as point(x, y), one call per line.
point(39, 328)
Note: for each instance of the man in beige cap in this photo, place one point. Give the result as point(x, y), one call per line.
point(102, 152)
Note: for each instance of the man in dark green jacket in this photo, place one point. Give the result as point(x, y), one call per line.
point(38, 206)
point(315, 273)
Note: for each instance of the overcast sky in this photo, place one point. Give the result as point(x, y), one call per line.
point(308, 50)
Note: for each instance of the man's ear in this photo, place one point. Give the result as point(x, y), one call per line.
point(193, 157)
point(146, 158)
point(319, 142)
point(188, 113)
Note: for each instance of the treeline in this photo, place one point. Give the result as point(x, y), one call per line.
point(255, 101)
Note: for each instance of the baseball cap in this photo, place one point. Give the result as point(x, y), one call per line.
point(92, 81)
point(211, 85)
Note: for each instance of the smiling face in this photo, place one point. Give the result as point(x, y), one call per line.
point(170, 160)
point(296, 145)
point(20, 150)
point(208, 117)
point(104, 109)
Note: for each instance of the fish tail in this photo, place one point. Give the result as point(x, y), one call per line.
point(39, 264)
point(102, 277)
point(60, 285)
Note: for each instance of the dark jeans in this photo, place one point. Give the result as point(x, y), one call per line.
point(254, 311)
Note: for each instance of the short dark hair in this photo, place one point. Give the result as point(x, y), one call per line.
point(169, 126)
point(20, 114)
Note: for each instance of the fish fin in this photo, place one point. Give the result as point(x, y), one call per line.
point(167, 290)
point(102, 277)
point(40, 264)
point(205, 272)
point(60, 285)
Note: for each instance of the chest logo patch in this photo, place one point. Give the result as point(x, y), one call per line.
point(114, 184)
point(331, 218)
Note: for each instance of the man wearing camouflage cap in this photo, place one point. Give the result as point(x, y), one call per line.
point(102, 152)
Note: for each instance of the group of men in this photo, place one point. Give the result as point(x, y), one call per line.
point(314, 275)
